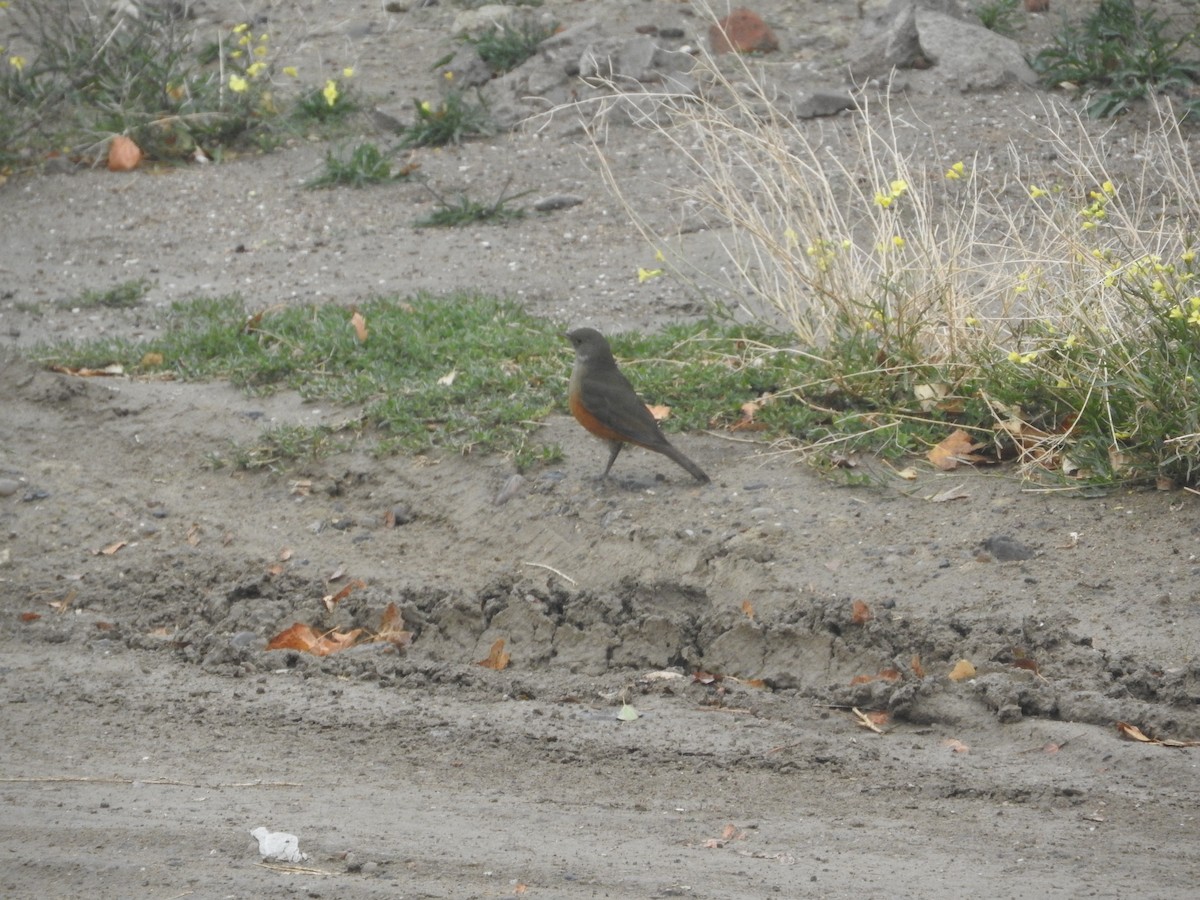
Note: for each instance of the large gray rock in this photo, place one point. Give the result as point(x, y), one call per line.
point(970, 56)
point(939, 33)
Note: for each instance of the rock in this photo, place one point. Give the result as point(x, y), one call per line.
point(477, 21)
point(970, 56)
point(814, 104)
point(888, 39)
point(9, 486)
point(466, 68)
point(1007, 549)
point(556, 202)
point(742, 31)
point(918, 34)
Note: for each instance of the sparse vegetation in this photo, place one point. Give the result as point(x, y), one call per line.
point(505, 47)
point(364, 165)
point(465, 211)
point(1121, 53)
point(125, 295)
point(451, 121)
point(999, 16)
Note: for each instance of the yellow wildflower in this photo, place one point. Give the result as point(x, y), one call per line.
point(348, 72)
point(645, 275)
point(237, 83)
point(255, 69)
point(1035, 192)
point(898, 241)
point(883, 200)
point(291, 72)
point(1187, 256)
point(238, 29)
point(956, 171)
point(260, 51)
point(17, 62)
point(331, 92)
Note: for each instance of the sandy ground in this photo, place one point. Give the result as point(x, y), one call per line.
point(147, 730)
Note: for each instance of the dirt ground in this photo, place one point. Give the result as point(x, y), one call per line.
point(147, 731)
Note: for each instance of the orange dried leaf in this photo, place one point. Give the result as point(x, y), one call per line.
point(332, 600)
point(391, 627)
point(861, 679)
point(748, 609)
point(746, 423)
point(496, 659)
point(30, 616)
point(917, 668)
point(193, 535)
point(123, 154)
point(285, 554)
point(957, 448)
point(872, 721)
point(1133, 733)
point(699, 677)
point(956, 746)
point(308, 640)
point(860, 613)
point(962, 671)
point(360, 327)
point(276, 569)
point(889, 675)
point(1027, 664)
point(111, 549)
point(661, 413)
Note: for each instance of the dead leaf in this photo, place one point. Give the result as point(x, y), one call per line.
point(699, 677)
point(123, 154)
point(746, 423)
point(30, 616)
point(111, 549)
point(889, 675)
point(929, 396)
point(285, 554)
point(193, 535)
point(448, 379)
point(332, 600)
point(1028, 664)
point(1136, 734)
point(908, 473)
point(360, 326)
point(872, 721)
point(61, 606)
point(962, 671)
point(956, 745)
point(276, 569)
point(151, 360)
point(661, 413)
point(391, 628)
point(496, 659)
point(954, 450)
point(950, 493)
point(83, 372)
point(301, 488)
point(307, 639)
point(860, 613)
point(338, 574)
point(917, 668)
point(748, 609)
point(861, 679)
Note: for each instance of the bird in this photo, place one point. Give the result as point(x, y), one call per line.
point(605, 403)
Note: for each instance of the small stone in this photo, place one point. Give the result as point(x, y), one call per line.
point(9, 486)
point(742, 31)
point(401, 514)
point(1007, 549)
point(822, 103)
point(556, 201)
point(514, 487)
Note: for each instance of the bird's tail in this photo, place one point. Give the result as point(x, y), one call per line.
point(694, 470)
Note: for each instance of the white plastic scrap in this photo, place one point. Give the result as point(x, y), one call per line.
point(278, 846)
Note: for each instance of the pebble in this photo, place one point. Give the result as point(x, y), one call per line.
point(556, 201)
point(8, 487)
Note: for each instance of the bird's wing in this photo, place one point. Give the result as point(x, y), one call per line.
point(614, 402)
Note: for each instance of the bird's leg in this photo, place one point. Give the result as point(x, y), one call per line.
point(614, 447)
